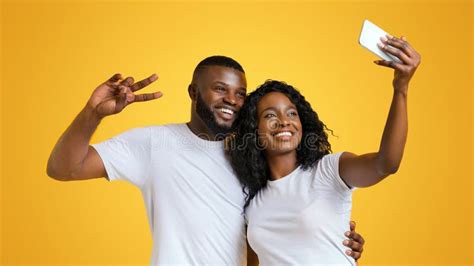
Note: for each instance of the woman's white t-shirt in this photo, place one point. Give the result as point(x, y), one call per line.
point(301, 219)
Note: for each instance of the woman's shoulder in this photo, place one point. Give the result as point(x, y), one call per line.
point(326, 172)
point(329, 163)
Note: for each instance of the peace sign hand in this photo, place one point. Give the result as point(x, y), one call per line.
point(112, 96)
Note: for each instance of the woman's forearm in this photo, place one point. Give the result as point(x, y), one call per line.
point(394, 135)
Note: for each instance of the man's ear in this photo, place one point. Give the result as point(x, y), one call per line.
point(192, 91)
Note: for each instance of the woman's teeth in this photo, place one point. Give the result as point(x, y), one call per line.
point(284, 134)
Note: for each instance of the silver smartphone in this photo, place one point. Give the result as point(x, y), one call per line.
point(370, 36)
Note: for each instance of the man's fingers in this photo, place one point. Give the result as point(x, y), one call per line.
point(355, 255)
point(147, 96)
point(358, 238)
point(352, 225)
point(115, 78)
point(355, 242)
point(122, 99)
point(354, 245)
point(127, 82)
point(143, 83)
point(353, 235)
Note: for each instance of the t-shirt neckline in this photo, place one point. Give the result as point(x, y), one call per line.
point(189, 134)
point(284, 179)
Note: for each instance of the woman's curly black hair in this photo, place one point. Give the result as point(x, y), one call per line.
point(248, 159)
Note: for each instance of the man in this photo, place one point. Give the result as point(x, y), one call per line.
point(192, 197)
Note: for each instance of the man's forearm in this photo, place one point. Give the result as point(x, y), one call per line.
point(72, 147)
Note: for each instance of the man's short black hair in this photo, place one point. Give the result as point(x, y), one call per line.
point(219, 60)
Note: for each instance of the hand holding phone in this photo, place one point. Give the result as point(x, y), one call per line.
point(370, 36)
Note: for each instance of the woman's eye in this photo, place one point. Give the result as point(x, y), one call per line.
point(269, 115)
point(293, 114)
point(241, 94)
point(220, 88)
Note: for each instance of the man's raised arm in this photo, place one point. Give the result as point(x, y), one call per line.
point(72, 157)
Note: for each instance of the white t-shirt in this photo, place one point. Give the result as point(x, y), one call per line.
point(192, 197)
point(301, 218)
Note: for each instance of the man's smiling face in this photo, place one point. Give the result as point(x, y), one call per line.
point(220, 93)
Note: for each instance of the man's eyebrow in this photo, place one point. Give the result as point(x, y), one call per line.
point(221, 83)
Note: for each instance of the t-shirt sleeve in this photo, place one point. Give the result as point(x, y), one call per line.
point(329, 167)
point(127, 156)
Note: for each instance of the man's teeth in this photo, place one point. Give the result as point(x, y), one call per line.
point(283, 134)
point(227, 111)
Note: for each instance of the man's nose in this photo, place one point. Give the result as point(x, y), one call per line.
point(230, 99)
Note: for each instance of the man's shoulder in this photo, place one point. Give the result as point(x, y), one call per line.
point(169, 133)
point(151, 131)
point(158, 128)
point(171, 128)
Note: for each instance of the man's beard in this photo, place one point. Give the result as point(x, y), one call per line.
point(209, 119)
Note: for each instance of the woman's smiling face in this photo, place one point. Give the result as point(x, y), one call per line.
point(279, 125)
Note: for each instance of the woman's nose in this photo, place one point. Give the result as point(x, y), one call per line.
point(283, 123)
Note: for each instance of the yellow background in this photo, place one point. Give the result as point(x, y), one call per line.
point(54, 54)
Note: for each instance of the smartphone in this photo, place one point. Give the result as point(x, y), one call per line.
point(370, 36)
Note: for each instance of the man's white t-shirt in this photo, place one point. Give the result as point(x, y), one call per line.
point(192, 197)
point(301, 218)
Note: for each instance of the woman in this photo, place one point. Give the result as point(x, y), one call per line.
point(298, 193)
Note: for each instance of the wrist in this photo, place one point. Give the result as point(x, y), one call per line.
point(401, 90)
point(90, 114)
